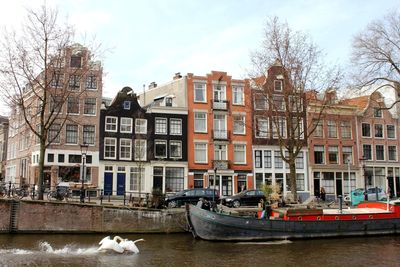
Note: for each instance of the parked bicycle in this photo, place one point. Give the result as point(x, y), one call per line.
point(62, 192)
point(9, 190)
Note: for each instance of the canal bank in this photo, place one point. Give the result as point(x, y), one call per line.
point(60, 217)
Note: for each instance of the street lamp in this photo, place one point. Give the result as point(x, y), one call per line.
point(215, 176)
point(349, 185)
point(84, 149)
point(363, 159)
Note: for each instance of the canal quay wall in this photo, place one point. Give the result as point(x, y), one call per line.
point(61, 217)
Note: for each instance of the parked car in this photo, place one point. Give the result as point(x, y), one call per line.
point(191, 196)
point(249, 197)
point(359, 194)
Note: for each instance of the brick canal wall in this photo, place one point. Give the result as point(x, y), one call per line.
point(59, 217)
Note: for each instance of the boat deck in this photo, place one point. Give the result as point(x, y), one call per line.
point(355, 211)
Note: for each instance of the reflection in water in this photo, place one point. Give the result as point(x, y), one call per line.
point(182, 250)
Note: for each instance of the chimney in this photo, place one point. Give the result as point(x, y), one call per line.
point(177, 76)
point(152, 85)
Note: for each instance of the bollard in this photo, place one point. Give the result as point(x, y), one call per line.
point(9, 189)
point(376, 193)
point(130, 198)
point(33, 191)
point(101, 197)
point(124, 198)
point(340, 203)
point(89, 196)
point(109, 197)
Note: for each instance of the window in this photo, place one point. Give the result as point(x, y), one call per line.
point(267, 159)
point(200, 152)
point(140, 150)
point(279, 127)
point(333, 154)
point(168, 101)
point(238, 95)
point(74, 82)
point(54, 134)
point(55, 104)
point(380, 152)
point(279, 102)
point(175, 149)
point(198, 180)
point(278, 160)
point(199, 92)
point(392, 152)
point(319, 155)
point(160, 148)
point(219, 93)
point(319, 130)
point(140, 126)
point(220, 152)
point(127, 105)
point(257, 158)
point(90, 106)
point(175, 127)
point(57, 80)
point(76, 62)
point(50, 157)
point(297, 127)
point(300, 183)
point(367, 152)
point(174, 178)
point(200, 122)
point(260, 102)
point(239, 154)
point(91, 82)
point(391, 131)
point(262, 128)
point(89, 134)
point(74, 158)
point(71, 134)
point(345, 127)
point(73, 105)
point(347, 154)
point(111, 124)
point(136, 179)
point(126, 125)
point(161, 125)
point(239, 124)
point(61, 158)
point(125, 148)
point(366, 130)
point(377, 113)
point(332, 130)
point(378, 130)
point(278, 85)
point(295, 103)
point(300, 160)
point(110, 147)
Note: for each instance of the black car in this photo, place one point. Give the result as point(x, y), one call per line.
point(249, 197)
point(191, 196)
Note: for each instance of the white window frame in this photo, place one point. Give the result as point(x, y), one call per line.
point(140, 126)
point(220, 152)
point(242, 150)
point(282, 123)
point(376, 152)
point(237, 92)
point(157, 129)
point(205, 122)
point(176, 142)
point(85, 104)
point(126, 123)
point(281, 85)
point(66, 134)
point(264, 134)
point(111, 139)
point(383, 131)
point(204, 149)
point(242, 121)
point(170, 126)
point(387, 131)
point(127, 105)
point(160, 142)
point(395, 153)
point(111, 126)
point(142, 157)
point(204, 89)
point(128, 144)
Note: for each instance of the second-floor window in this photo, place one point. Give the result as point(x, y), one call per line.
point(161, 125)
point(175, 149)
point(380, 152)
point(111, 124)
point(279, 127)
point(89, 134)
point(140, 150)
point(219, 93)
point(366, 130)
point(175, 126)
point(110, 148)
point(91, 82)
point(333, 154)
point(238, 124)
point(345, 127)
point(332, 129)
point(200, 152)
point(125, 149)
point(71, 134)
point(73, 105)
point(319, 154)
point(140, 126)
point(200, 92)
point(391, 131)
point(392, 152)
point(90, 106)
point(378, 130)
point(220, 152)
point(126, 125)
point(200, 122)
point(262, 128)
point(239, 153)
point(238, 95)
point(367, 152)
point(319, 130)
point(260, 102)
point(160, 148)
point(347, 154)
point(74, 82)
point(257, 158)
point(54, 133)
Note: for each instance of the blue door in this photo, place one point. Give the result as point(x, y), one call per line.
point(120, 183)
point(108, 183)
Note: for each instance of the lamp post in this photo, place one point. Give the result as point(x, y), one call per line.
point(363, 159)
point(84, 149)
point(215, 176)
point(349, 185)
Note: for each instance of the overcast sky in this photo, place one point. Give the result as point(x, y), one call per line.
point(151, 40)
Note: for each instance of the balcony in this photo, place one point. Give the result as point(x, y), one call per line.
point(220, 104)
point(221, 134)
point(221, 164)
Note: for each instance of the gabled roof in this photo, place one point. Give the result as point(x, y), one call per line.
point(361, 102)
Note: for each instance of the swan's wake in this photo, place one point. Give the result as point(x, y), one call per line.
point(45, 247)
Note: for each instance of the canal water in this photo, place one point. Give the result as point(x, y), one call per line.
point(183, 250)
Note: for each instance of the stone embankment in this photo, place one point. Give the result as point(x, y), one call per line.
point(61, 217)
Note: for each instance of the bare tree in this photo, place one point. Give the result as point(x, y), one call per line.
point(37, 70)
point(296, 64)
point(376, 54)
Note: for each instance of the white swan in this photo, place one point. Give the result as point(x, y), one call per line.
point(129, 245)
point(110, 244)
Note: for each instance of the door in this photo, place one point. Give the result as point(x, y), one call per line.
point(120, 184)
point(339, 191)
point(391, 186)
point(108, 183)
point(316, 188)
point(226, 185)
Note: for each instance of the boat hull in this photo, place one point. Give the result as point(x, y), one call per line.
point(221, 227)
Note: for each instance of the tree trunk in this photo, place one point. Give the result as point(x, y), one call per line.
point(292, 176)
point(41, 168)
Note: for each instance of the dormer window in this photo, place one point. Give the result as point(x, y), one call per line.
point(127, 105)
point(278, 85)
point(377, 113)
point(76, 62)
point(168, 101)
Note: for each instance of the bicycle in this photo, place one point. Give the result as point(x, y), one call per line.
point(11, 191)
point(61, 193)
